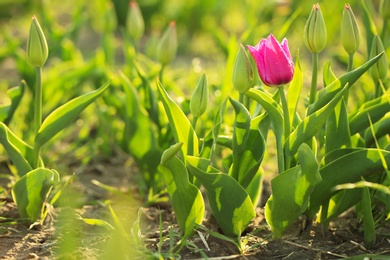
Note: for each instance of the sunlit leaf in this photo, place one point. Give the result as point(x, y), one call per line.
point(229, 202)
point(328, 93)
point(15, 94)
point(31, 190)
point(294, 90)
point(17, 150)
point(186, 199)
point(348, 168)
point(290, 192)
point(63, 115)
point(181, 127)
point(310, 125)
point(328, 75)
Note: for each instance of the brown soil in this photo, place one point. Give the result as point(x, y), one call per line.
point(160, 232)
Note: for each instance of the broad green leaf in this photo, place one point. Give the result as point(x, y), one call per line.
point(63, 115)
point(294, 90)
point(328, 93)
point(376, 108)
point(181, 127)
point(31, 190)
point(15, 94)
point(337, 133)
point(17, 150)
point(291, 191)
point(229, 202)
point(272, 107)
point(348, 168)
point(328, 76)
point(310, 125)
point(186, 198)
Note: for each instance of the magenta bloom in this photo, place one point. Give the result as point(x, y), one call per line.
point(274, 62)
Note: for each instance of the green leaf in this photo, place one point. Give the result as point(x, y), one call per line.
point(272, 108)
point(290, 192)
point(337, 133)
point(310, 126)
point(229, 202)
point(181, 127)
point(348, 168)
point(328, 93)
point(64, 114)
point(15, 94)
point(17, 150)
point(97, 222)
point(368, 220)
point(328, 75)
point(186, 198)
point(381, 128)
point(294, 90)
point(30, 192)
point(377, 108)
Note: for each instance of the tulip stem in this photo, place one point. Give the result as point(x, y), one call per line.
point(241, 98)
point(280, 154)
point(37, 113)
point(314, 76)
point(38, 100)
point(286, 115)
point(384, 30)
point(194, 121)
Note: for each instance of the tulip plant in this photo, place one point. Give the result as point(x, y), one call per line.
point(31, 191)
point(318, 153)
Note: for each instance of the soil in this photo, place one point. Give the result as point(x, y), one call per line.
point(159, 230)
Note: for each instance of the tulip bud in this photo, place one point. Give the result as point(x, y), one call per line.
point(350, 34)
point(273, 60)
point(37, 50)
point(379, 69)
point(135, 22)
point(242, 71)
point(167, 46)
point(385, 9)
point(200, 97)
point(315, 34)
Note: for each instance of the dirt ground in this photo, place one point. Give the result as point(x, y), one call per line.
point(159, 230)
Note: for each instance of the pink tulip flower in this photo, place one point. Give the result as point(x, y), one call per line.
point(274, 62)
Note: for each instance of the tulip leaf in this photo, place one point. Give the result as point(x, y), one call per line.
point(291, 191)
point(330, 91)
point(31, 190)
point(337, 133)
point(229, 202)
point(272, 107)
point(186, 199)
point(381, 128)
point(376, 109)
point(15, 94)
point(328, 75)
point(63, 115)
point(348, 168)
point(181, 127)
point(310, 125)
point(368, 219)
point(294, 90)
point(17, 150)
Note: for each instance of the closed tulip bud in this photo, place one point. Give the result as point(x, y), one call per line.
point(315, 35)
point(200, 97)
point(242, 71)
point(385, 9)
point(135, 21)
point(167, 46)
point(350, 34)
point(274, 61)
point(379, 69)
point(37, 50)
